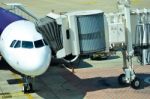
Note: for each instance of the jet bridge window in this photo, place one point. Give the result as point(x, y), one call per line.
point(38, 43)
point(27, 44)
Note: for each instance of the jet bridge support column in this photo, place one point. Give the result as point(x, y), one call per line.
point(129, 76)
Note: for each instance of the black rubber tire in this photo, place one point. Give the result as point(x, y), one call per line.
point(31, 88)
point(25, 88)
point(120, 79)
point(136, 83)
point(28, 88)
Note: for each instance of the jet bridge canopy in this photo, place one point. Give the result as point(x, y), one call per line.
point(51, 31)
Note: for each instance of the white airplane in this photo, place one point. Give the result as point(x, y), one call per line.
point(23, 47)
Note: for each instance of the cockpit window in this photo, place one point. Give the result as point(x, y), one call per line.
point(13, 43)
point(27, 44)
point(18, 44)
point(38, 43)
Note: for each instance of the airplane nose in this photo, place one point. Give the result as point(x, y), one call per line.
point(37, 62)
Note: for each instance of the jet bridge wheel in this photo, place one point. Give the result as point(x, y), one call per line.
point(136, 83)
point(121, 79)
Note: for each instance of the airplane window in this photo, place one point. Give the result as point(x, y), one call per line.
point(45, 42)
point(38, 43)
point(17, 45)
point(27, 44)
point(13, 43)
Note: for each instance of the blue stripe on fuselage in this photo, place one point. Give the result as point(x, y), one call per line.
point(7, 17)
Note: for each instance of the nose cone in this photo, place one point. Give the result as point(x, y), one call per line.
point(35, 62)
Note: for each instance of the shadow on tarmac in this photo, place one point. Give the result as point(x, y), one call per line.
point(88, 85)
point(81, 86)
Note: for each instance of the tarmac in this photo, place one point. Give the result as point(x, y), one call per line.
point(43, 7)
point(95, 79)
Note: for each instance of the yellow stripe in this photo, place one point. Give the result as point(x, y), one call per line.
point(29, 96)
point(134, 1)
point(89, 2)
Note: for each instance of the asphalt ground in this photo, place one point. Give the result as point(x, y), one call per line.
point(43, 7)
point(89, 81)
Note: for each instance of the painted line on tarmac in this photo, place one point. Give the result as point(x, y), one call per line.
point(29, 96)
point(88, 2)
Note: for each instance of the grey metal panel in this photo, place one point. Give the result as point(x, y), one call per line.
point(134, 22)
point(91, 33)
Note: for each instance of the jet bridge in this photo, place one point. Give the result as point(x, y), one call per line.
point(142, 36)
point(116, 31)
point(75, 33)
point(85, 32)
point(136, 43)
